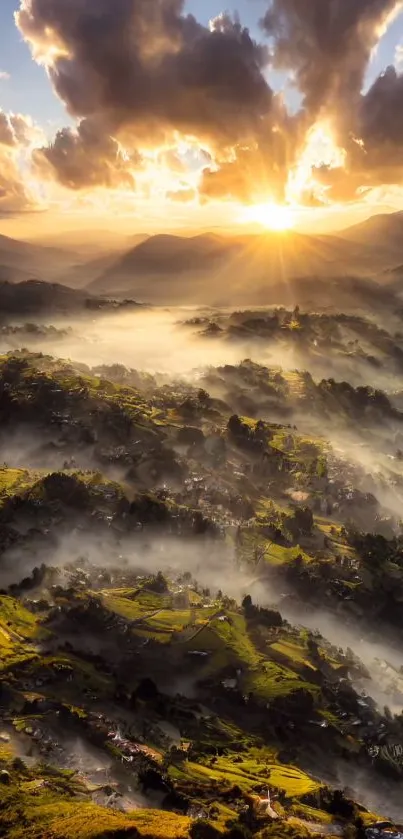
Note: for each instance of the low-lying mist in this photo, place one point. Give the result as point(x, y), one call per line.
point(164, 340)
point(363, 640)
point(213, 565)
point(147, 340)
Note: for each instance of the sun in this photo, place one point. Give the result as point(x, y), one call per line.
point(278, 217)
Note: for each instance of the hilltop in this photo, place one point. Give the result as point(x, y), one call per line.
point(383, 232)
point(251, 266)
point(35, 297)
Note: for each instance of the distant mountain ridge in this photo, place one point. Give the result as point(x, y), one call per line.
point(172, 269)
point(210, 267)
point(384, 229)
point(35, 297)
point(21, 260)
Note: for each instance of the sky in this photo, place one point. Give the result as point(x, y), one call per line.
point(124, 110)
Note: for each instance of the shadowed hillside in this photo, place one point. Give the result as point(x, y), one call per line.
point(172, 269)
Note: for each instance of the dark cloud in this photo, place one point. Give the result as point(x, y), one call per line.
point(142, 66)
point(381, 112)
point(373, 156)
point(327, 44)
point(86, 158)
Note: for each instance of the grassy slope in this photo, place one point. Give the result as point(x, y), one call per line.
point(48, 815)
point(18, 629)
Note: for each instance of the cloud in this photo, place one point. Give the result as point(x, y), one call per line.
point(4, 76)
point(328, 45)
point(145, 69)
point(257, 171)
point(14, 198)
point(141, 77)
point(85, 158)
point(381, 112)
point(17, 130)
point(381, 129)
point(17, 133)
point(399, 57)
point(373, 158)
point(7, 137)
point(183, 196)
point(140, 73)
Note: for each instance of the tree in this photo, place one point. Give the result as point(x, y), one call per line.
point(321, 467)
point(341, 806)
point(235, 425)
point(299, 702)
point(260, 430)
point(247, 603)
point(304, 519)
point(158, 584)
point(188, 408)
point(313, 647)
point(297, 562)
point(147, 690)
point(203, 397)
point(270, 617)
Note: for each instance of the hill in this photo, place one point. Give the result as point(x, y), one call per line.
point(23, 260)
point(84, 254)
point(174, 269)
point(163, 256)
point(35, 297)
point(85, 243)
point(383, 232)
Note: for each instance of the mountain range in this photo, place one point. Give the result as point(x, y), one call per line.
point(171, 269)
point(25, 260)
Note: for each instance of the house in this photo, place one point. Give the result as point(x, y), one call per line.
point(263, 805)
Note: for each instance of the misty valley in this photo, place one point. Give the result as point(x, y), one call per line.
point(201, 552)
